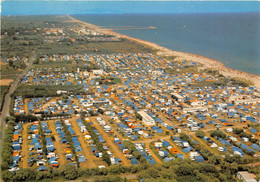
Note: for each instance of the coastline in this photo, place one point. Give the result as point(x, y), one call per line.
point(206, 62)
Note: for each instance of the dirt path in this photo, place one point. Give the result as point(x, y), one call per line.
point(92, 161)
point(113, 127)
point(108, 63)
point(25, 145)
point(202, 143)
point(46, 104)
point(26, 109)
point(113, 148)
point(157, 160)
point(59, 147)
point(219, 144)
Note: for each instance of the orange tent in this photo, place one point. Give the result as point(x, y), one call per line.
point(174, 150)
point(16, 154)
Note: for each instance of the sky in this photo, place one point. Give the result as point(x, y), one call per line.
point(34, 7)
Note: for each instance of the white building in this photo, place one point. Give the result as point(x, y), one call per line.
point(194, 109)
point(98, 72)
point(148, 120)
point(246, 176)
point(177, 97)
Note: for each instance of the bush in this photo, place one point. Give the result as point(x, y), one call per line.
point(68, 171)
point(218, 134)
point(200, 134)
point(108, 179)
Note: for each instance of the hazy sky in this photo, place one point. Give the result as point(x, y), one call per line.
point(34, 7)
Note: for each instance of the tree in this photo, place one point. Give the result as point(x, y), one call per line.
point(11, 63)
point(200, 134)
point(68, 171)
point(185, 169)
point(7, 176)
point(101, 111)
point(218, 134)
point(184, 137)
point(215, 159)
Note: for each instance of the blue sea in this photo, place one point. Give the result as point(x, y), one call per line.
point(225, 31)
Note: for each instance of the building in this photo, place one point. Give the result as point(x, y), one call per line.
point(148, 120)
point(157, 72)
point(98, 72)
point(177, 97)
point(194, 109)
point(246, 176)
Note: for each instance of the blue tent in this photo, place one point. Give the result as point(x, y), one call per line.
point(82, 158)
point(186, 150)
point(254, 146)
point(181, 156)
point(252, 130)
point(133, 137)
point(166, 159)
point(166, 143)
point(152, 161)
point(94, 150)
point(78, 149)
point(134, 161)
point(42, 168)
point(199, 159)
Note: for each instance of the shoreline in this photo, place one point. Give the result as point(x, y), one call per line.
point(205, 61)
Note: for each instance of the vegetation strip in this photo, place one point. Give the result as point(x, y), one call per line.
point(98, 144)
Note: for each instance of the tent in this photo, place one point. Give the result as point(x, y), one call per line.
point(181, 156)
point(82, 158)
point(134, 161)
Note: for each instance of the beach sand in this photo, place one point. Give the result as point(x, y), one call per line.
point(207, 62)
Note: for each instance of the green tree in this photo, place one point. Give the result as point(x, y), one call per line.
point(185, 169)
point(200, 134)
point(68, 171)
point(11, 63)
point(215, 159)
point(184, 137)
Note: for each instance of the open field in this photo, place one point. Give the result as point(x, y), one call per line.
point(5, 81)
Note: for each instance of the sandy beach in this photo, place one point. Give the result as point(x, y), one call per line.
point(207, 62)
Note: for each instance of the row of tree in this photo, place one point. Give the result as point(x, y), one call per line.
point(69, 139)
point(95, 138)
point(70, 172)
point(205, 153)
point(213, 158)
point(177, 170)
point(43, 139)
point(218, 134)
point(6, 148)
point(242, 133)
point(132, 150)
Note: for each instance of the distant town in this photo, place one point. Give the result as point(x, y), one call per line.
point(79, 102)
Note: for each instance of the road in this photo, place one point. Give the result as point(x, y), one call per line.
point(5, 111)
